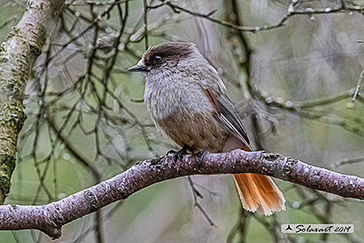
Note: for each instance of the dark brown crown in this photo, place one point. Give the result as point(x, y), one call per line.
point(168, 51)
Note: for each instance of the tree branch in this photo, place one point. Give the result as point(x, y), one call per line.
point(51, 217)
point(17, 56)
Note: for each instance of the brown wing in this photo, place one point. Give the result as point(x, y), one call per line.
point(227, 116)
point(257, 192)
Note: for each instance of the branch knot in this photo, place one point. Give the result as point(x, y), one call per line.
point(91, 199)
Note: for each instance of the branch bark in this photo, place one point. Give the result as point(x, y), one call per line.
point(51, 217)
point(17, 56)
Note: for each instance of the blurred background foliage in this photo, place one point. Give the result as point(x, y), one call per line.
point(292, 74)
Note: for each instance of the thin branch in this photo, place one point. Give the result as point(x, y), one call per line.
point(357, 88)
point(145, 18)
point(97, 3)
point(300, 105)
point(347, 161)
point(196, 195)
point(178, 9)
point(51, 217)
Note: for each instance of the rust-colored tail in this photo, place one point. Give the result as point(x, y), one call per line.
point(259, 193)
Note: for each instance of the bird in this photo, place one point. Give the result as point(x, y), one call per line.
point(187, 99)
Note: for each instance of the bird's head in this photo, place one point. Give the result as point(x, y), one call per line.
point(167, 55)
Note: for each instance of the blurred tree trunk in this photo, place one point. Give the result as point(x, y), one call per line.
point(17, 56)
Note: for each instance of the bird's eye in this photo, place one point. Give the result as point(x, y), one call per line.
point(157, 58)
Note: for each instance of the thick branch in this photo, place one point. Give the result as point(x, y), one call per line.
point(17, 56)
point(51, 217)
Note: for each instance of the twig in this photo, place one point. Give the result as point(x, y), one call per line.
point(357, 88)
point(348, 161)
point(97, 3)
point(196, 195)
point(145, 18)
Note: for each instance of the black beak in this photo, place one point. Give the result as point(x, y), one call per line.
point(137, 68)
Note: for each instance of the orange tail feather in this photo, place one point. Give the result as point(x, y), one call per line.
point(259, 193)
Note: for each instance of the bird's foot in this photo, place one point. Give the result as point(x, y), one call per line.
point(171, 152)
point(200, 156)
point(179, 155)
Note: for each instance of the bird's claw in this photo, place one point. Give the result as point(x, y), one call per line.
point(200, 156)
point(179, 155)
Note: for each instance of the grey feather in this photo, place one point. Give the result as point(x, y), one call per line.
point(229, 118)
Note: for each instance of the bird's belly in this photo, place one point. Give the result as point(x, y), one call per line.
point(163, 102)
point(198, 130)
